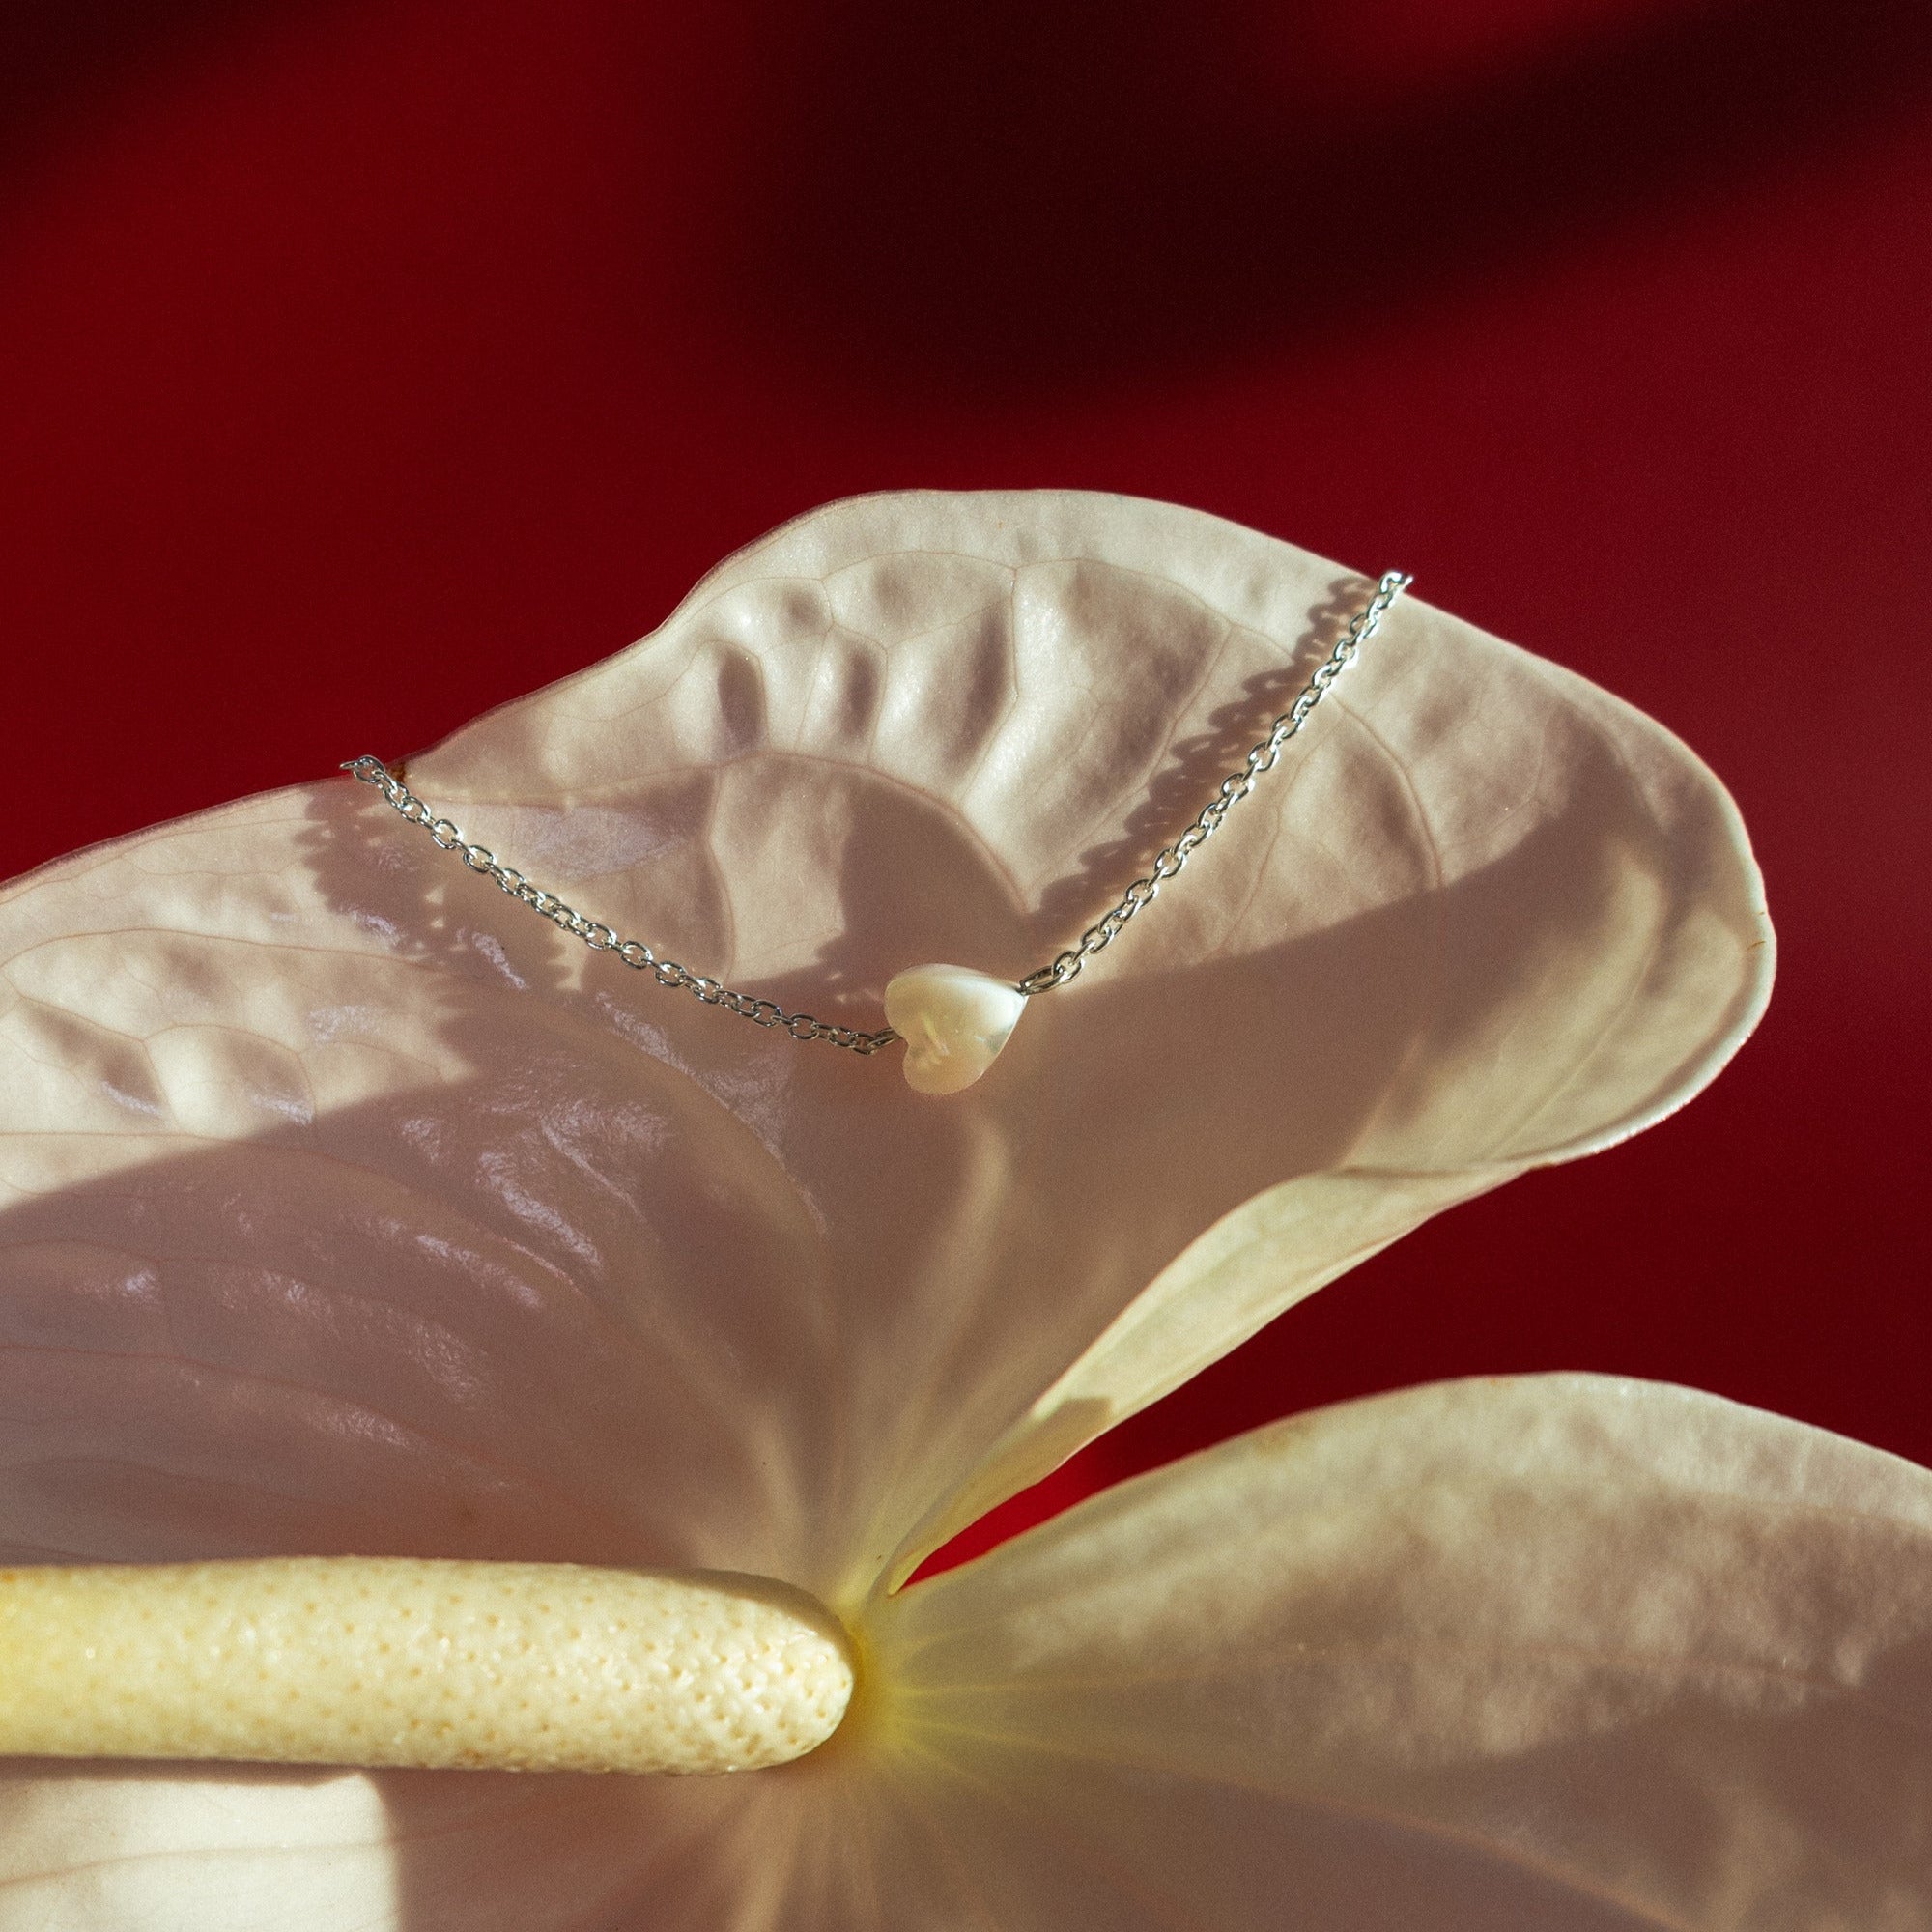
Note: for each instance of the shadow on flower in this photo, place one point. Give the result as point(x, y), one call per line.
point(388, 1220)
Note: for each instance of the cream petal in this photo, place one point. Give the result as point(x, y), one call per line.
point(1507, 1655)
point(1559, 1650)
point(133, 1848)
point(120, 1848)
point(351, 1207)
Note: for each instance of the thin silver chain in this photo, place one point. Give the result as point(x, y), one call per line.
point(599, 937)
point(1059, 972)
point(1235, 787)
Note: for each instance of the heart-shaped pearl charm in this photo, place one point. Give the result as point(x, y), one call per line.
point(954, 1022)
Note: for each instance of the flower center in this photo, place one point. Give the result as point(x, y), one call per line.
point(396, 1661)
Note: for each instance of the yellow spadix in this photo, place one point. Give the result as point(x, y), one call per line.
point(395, 1661)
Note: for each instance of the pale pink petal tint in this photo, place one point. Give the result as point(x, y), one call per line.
point(352, 1207)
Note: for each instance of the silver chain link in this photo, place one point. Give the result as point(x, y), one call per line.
point(1236, 786)
point(599, 937)
point(1060, 972)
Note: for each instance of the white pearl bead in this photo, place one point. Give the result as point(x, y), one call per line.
point(954, 1021)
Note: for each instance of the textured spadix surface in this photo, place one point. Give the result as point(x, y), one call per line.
point(350, 1207)
point(544, 1666)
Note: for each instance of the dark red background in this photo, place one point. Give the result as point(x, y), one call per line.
point(365, 365)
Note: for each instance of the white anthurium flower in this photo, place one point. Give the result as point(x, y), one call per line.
point(353, 1209)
